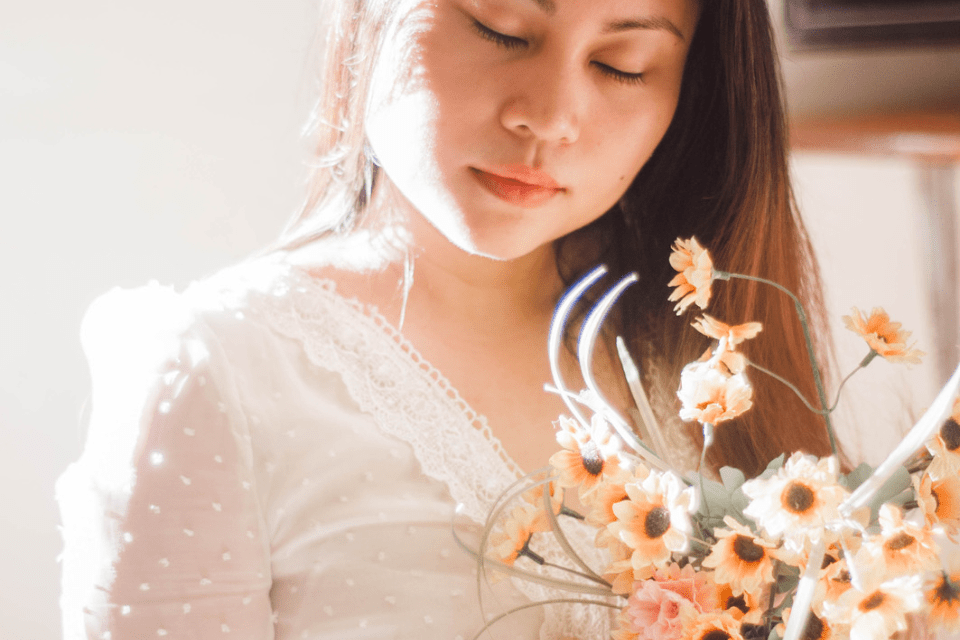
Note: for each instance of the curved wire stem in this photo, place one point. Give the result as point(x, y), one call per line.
point(542, 603)
point(805, 325)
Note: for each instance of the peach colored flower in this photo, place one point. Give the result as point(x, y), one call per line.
point(741, 558)
point(945, 446)
point(816, 628)
point(695, 273)
point(711, 396)
point(653, 612)
point(588, 455)
point(798, 500)
point(512, 539)
point(734, 335)
point(943, 602)
point(883, 336)
point(940, 501)
point(901, 547)
point(711, 625)
point(834, 581)
point(879, 610)
point(696, 586)
point(655, 521)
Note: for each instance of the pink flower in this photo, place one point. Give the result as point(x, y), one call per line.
point(653, 610)
point(653, 613)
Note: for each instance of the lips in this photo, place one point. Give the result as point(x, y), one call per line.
point(518, 185)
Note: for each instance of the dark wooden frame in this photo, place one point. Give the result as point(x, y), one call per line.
point(839, 24)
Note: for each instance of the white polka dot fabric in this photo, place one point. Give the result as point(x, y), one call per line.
point(266, 459)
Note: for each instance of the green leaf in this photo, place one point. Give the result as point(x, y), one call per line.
point(896, 490)
point(732, 478)
point(777, 462)
point(856, 477)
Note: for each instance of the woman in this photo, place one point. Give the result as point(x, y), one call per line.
point(279, 450)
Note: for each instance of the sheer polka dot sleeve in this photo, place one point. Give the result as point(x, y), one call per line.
point(163, 532)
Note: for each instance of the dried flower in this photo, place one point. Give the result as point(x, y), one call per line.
point(511, 541)
point(943, 602)
point(798, 500)
point(945, 447)
point(880, 609)
point(695, 275)
point(883, 336)
point(901, 547)
point(588, 455)
point(711, 396)
point(711, 625)
point(940, 501)
point(741, 558)
point(655, 521)
point(734, 335)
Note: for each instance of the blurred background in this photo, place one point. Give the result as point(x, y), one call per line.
point(161, 141)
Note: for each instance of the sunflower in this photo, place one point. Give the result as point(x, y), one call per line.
point(655, 521)
point(940, 501)
point(710, 395)
point(945, 446)
point(798, 500)
point(741, 558)
point(886, 338)
point(734, 335)
point(588, 456)
point(901, 547)
point(879, 610)
point(816, 628)
point(512, 540)
point(747, 607)
point(835, 580)
point(695, 274)
point(943, 602)
point(712, 625)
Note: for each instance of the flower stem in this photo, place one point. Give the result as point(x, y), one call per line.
point(576, 573)
point(804, 323)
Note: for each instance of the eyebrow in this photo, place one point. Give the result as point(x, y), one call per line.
point(657, 23)
point(547, 6)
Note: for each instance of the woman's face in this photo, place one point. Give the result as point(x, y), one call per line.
point(509, 123)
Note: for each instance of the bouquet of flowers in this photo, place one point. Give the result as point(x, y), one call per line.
point(801, 551)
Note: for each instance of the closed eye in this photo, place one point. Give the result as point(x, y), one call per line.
point(501, 39)
point(618, 75)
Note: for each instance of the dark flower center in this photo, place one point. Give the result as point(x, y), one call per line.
point(900, 541)
point(843, 576)
point(873, 601)
point(592, 460)
point(747, 550)
point(737, 602)
point(657, 522)
point(814, 629)
point(950, 433)
point(947, 591)
point(716, 634)
point(797, 497)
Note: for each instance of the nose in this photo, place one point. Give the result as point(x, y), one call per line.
point(543, 102)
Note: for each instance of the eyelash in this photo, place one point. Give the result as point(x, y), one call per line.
point(512, 42)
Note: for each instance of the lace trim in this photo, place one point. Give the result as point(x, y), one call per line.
point(412, 401)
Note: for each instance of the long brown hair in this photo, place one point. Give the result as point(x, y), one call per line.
point(720, 173)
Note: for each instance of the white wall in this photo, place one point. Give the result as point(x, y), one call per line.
point(137, 141)
point(160, 140)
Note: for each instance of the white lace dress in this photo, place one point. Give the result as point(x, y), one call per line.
point(267, 459)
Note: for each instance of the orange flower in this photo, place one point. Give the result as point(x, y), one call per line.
point(901, 547)
point(588, 455)
point(695, 275)
point(710, 396)
point(797, 501)
point(709, 626)
point(816, 628)
point(945, 447)
point(655, 521)
point(741, 558)
point(880, 609)
point(943, 602)
point(940, 501)
point(510, 542)
point(713, 328)
point(835, 580)
point(883, 336)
